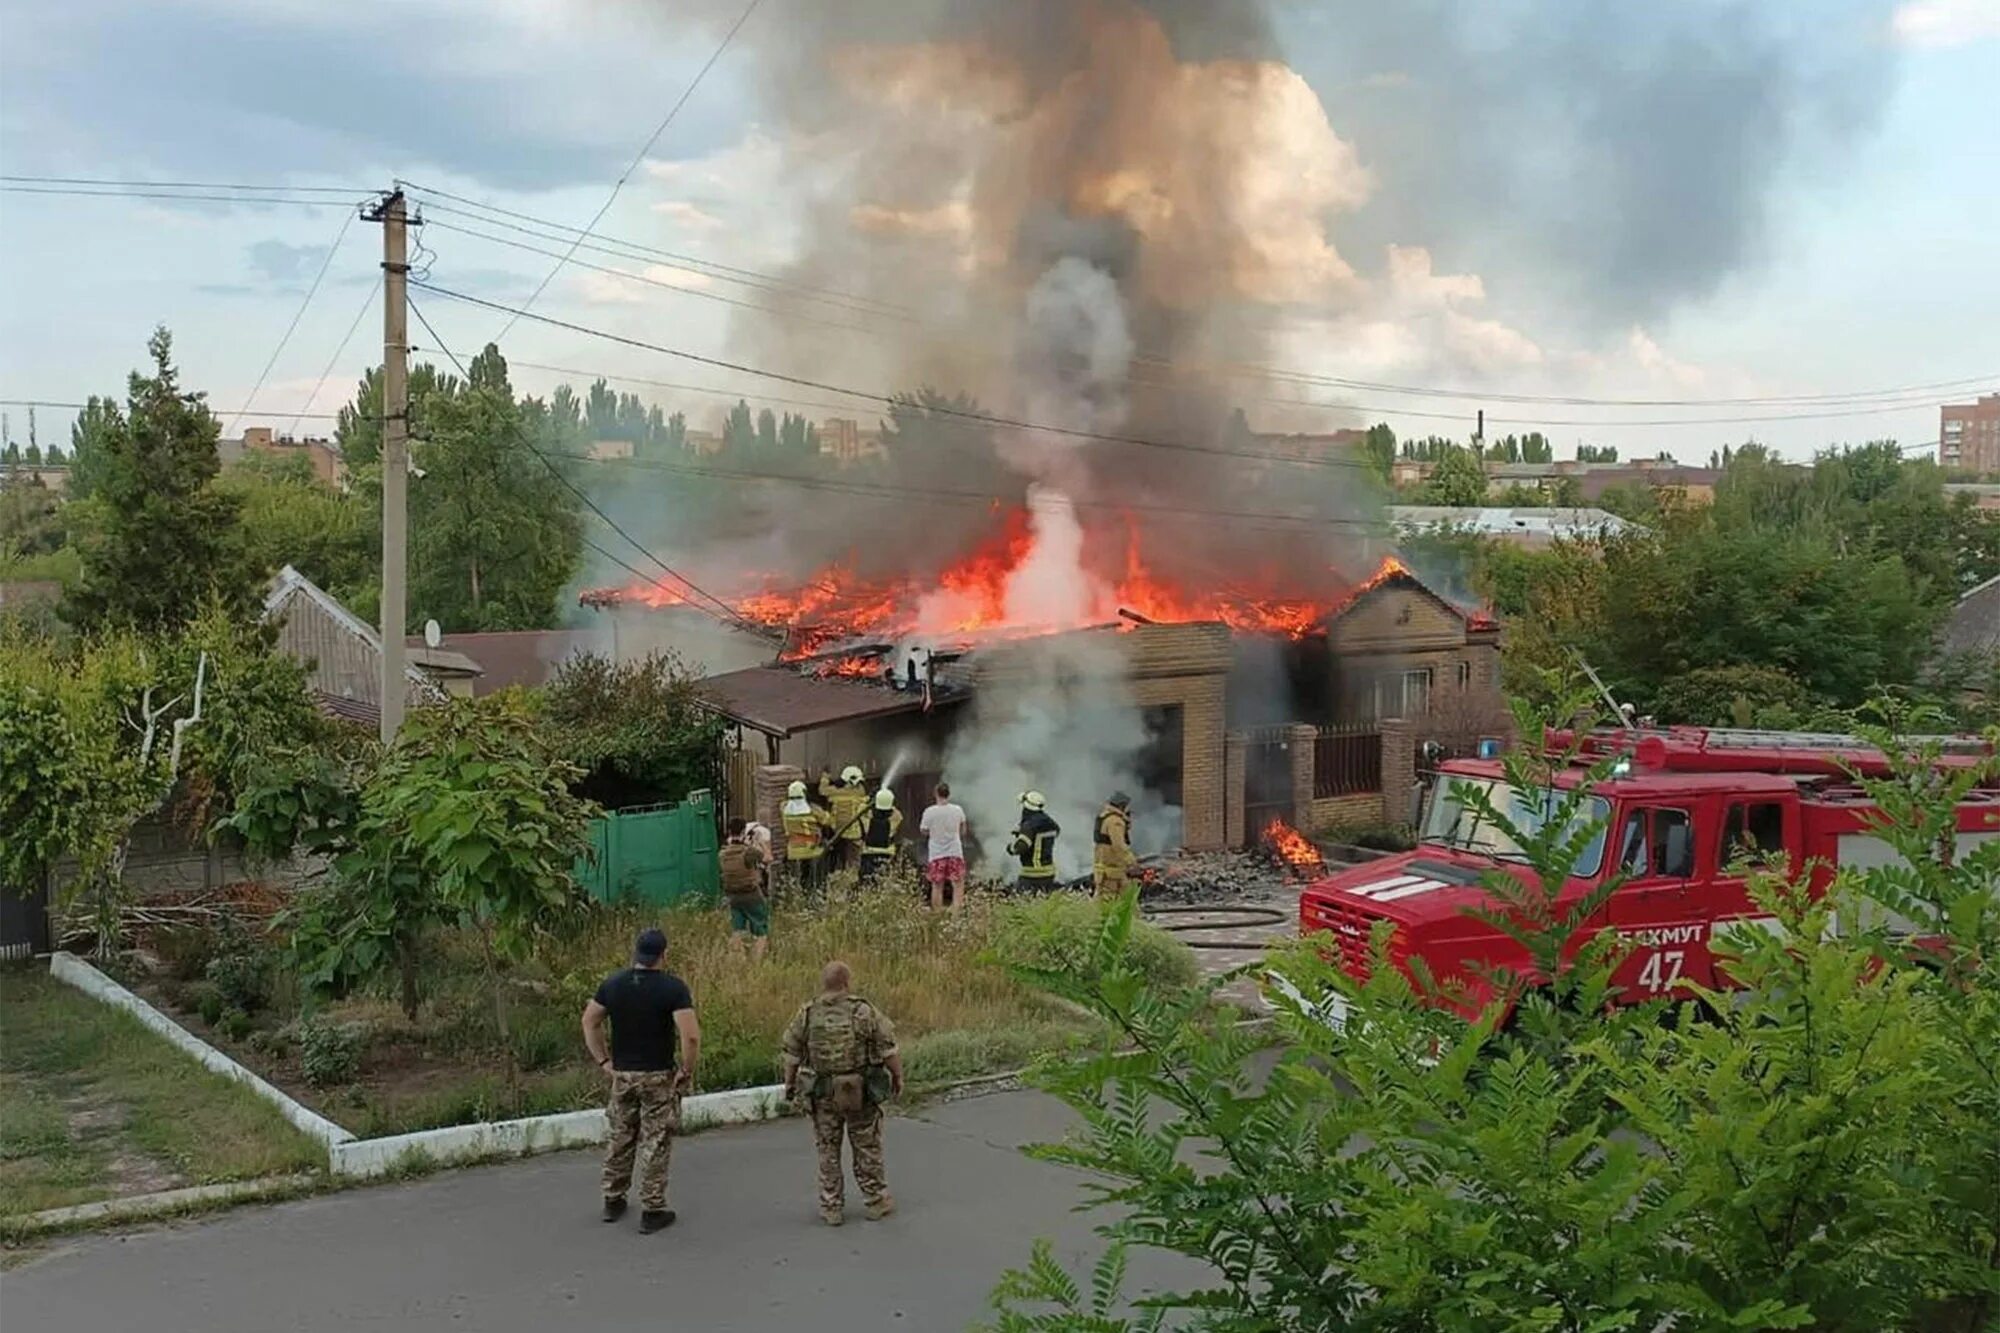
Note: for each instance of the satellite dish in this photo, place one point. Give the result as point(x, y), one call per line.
point(433, 633)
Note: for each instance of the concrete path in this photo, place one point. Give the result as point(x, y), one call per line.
point(519, 1247)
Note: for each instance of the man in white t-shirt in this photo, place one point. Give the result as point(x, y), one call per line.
point(944, 824)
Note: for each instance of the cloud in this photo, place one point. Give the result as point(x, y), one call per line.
point(280, 262)
point(690, 217)
point(1945, 23)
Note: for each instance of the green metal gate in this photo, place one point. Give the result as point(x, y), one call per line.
point(655, 854)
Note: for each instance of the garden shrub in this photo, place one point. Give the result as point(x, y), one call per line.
point(184, 950)
point(1059, 933)
point(242, 977)
point(329, 1052)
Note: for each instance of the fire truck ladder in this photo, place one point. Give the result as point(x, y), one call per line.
point(1744, 738)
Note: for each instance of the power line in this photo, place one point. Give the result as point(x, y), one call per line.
point(297, 315)
point(186, 198)
point(650, 281)
point(366, 301)
point(241, 412)
point(637, 158)
point(184, 185)
point(777, 283)
point(729, 611)
point(982, 418)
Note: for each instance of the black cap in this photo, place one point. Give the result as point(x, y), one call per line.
point(651, 944)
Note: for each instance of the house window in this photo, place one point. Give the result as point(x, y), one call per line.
point(1464, 675)
point(1404, 694)
point(1657, 844)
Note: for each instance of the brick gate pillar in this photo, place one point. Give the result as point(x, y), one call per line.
point(1303, 751)
point(1399, 771)
point(771, 781)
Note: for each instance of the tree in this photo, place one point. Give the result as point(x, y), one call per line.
point(286, 516)
point(1596, 453)
point(739, 430)
point(1457, 480)
point(32, 456)
point(635, 728)
point(1379, 448)
point(1791, 1158)
point(156, 536)
point(11, 455)
point(468, 817)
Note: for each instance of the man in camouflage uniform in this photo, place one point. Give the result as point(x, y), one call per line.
point(841, 1059)
point(650, 1061)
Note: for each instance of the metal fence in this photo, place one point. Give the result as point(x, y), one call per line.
point(1347, 761)
point(655, 855)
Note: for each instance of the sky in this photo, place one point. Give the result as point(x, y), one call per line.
point(1870, 262)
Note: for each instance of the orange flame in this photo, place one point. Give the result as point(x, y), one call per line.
point(854, 664)
point(1291, 846)
point(968, 598)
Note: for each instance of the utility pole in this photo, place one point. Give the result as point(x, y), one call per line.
point(392, 212)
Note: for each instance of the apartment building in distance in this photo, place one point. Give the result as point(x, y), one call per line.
point(1969, 435)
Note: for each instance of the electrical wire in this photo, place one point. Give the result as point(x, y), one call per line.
point(187, 198)
point(339, 351)
point(241, 412)
point(297, 315)
point(729, 612)
point(184, 185)
point(637, 158)
point(778, 283)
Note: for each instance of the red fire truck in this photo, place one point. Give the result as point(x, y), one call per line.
point(1685, 810)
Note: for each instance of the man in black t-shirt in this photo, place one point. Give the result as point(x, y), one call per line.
point(649, 1008)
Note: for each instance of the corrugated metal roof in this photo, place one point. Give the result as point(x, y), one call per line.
point(1974, 626)
point(781, 701)
point(1504, 522)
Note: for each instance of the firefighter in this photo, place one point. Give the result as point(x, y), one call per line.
point(1035, 843)
point(847, 800)
point(878, 841)
point(806, 827)
point(1111, 836)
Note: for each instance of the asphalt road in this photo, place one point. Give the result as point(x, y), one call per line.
point(519, 1246)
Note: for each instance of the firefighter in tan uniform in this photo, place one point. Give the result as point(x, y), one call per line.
point(847, 804)
point(806, 827)
point(1111, 839)
point(841, 1061)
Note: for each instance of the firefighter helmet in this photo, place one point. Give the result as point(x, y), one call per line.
point(797, 791)
point(851, 775)
point(1034, 800)
point(885, 799)
point(1121, 800)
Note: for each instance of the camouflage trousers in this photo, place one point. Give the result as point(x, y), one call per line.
point(863, 1132)
point(645, 1112)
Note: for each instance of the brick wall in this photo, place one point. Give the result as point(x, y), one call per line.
point(1204, 820)
point(1362, 808)
point(163, 862)
point(1234, 775)
point(1399, 771)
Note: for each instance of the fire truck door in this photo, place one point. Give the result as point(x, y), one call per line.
point(1659, 912)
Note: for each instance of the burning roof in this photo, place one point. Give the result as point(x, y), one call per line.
point(843, 624)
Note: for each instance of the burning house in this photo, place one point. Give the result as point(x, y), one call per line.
point(1074, 567)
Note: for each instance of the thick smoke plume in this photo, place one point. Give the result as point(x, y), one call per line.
point(1106, 218)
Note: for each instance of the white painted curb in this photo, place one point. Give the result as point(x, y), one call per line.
point(363, 1158)
point(69, 968)
point(542, 1133)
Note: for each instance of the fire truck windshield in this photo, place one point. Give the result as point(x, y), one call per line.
point(1457, 819)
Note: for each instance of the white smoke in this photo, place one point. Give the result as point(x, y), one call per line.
point(1061, 719)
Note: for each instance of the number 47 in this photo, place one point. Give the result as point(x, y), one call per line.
point(1662, 970)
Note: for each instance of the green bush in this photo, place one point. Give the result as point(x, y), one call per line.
point(233, 1024)
point(243, 977)
point(206, 1000)
point(329, 1052)
point(1059, 933)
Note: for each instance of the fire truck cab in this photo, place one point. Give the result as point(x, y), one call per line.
point(1686, 813)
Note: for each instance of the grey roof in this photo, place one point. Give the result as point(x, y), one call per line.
point(1504, 522)
point(289, 585)
point(1974, 625)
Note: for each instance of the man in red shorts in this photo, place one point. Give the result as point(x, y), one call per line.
point(944, 825)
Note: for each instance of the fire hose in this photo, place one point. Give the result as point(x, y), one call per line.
point(1236, 918)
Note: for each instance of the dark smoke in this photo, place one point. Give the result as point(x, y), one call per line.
point(1630, 155)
